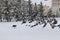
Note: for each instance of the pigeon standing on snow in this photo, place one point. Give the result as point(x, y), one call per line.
point(55, 21)
point(14, 26)
point(53, 24)
point(23, 22)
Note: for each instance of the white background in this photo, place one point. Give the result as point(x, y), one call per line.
point(23, 32)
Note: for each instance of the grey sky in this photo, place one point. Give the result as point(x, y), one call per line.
point(48, 2)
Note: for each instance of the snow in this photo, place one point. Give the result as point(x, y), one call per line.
point(23, 32)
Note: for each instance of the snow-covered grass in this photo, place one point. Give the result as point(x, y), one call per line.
point(23, 32)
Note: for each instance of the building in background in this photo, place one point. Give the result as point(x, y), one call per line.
point(56, 7)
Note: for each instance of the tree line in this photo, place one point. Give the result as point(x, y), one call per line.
point(18, 12)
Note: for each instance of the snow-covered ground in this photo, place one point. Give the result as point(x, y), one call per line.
point(23, 32)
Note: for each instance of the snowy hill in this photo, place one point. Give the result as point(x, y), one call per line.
point(23, 32)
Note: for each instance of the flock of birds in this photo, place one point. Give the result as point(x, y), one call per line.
point(44, 20)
